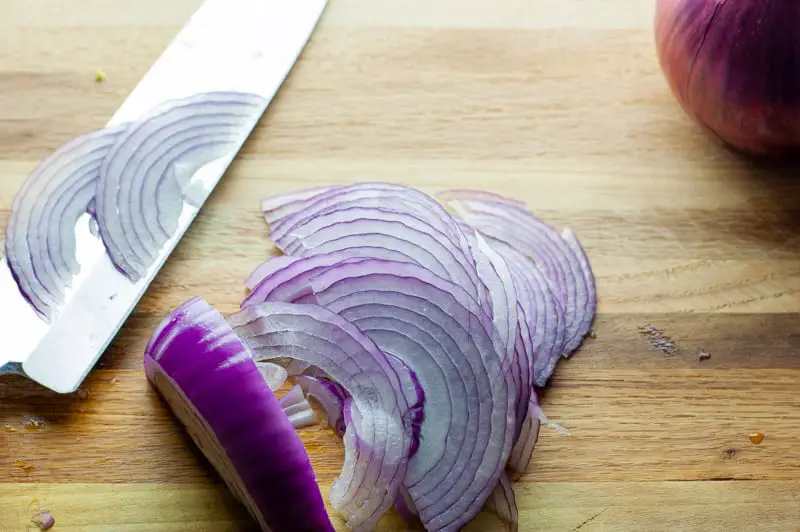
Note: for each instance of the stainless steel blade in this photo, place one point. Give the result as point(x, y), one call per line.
point(228, 45)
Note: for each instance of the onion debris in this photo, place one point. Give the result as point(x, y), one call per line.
point(419, 333)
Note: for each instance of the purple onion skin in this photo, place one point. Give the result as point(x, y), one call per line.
point(243, 414)
point(733, 66)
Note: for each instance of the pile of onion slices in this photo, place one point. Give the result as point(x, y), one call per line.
point(421, 327)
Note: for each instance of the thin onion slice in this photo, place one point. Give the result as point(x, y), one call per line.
point(444, 336)
point(522, 452)
point(278, 206)
point(387, 197)
point(40, 237)
point(561, 258)
point(145, 176)
point(381, 418)
point(508, 320)
point(381, 233)
point(544, 314)
point(504, 503)
point(208, 378)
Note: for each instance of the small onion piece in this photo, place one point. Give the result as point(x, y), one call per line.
point(298, 409)
point(294, 396)
point(40, 237)
point(147, 172)
point(209, 380)
point(382, 419)
point(331, 397)
point(273, 374)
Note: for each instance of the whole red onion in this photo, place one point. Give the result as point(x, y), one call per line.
point(734, 65)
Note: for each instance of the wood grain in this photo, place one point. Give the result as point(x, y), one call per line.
point(558, 103)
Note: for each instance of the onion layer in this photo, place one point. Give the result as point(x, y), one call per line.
point(211, 383)
point(40, 236)
point(145, 175)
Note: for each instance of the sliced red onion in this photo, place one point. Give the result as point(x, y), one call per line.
point(40, 236)
point(504, 503)
point(288, 281)
point(508, 320)
point(523, 448)
point(266, 269)
point(387, 197)
point(145, 174)
point(543, 312)
point(293, 396)
point(277, 207)
point(381, 418)
point(211, 383)
point(331, 397)
point(302, 417)
point(298, 409)
point(273, 374)
point(381, 233)
point(448, 340)
point(563, 263)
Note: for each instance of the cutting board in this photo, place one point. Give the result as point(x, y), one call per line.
point(557, 102)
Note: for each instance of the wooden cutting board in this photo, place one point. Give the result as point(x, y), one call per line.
point(557, 102)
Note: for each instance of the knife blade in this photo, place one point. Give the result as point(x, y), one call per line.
point(245, 46)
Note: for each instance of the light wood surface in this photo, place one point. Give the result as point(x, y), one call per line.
point(558, 102)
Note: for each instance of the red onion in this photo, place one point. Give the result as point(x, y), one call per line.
point(421, 337)
point(210, 381)
point(732, 65)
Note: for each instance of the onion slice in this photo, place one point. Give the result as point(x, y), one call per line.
point(208, 378)
point(146, 175)
point(504, 503)
point(522, 452)
point(561, 257)
point(40, 239)
point(382, 420)
point(544, 314)
point(388, 198)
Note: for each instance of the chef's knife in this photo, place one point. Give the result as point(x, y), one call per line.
point(243, 46)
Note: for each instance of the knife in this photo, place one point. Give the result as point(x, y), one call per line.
point(228, 46)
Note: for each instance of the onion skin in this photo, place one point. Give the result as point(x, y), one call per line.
point(211, 383)
point(732, 66)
